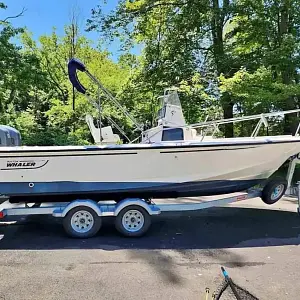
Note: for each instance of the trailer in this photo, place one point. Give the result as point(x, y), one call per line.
point(83, 218)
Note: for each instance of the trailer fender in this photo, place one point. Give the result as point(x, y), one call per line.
point(152, 209)
point(62, 212)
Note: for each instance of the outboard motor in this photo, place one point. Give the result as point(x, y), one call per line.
point(9, 136)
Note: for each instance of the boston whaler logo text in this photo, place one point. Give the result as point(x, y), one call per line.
point(24, 164)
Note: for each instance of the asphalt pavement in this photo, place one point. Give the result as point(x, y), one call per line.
point(179, 257)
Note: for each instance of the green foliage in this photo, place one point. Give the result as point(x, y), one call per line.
point(54, 54)
point(36, 96)
point(226, 58)
point(258, 92)
point(244, 53)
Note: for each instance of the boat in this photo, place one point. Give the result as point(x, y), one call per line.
point(161, 165)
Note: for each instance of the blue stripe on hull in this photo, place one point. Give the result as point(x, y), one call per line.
point(61, 187)
point(68, 191)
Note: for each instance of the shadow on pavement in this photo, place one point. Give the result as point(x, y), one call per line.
point(214, 228)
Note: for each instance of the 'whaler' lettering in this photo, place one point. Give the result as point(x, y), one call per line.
point(23, 164)
point(17, 164)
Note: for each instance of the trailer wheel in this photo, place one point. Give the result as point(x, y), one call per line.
point(274, 191)
point(82, 222)
point(133, 221)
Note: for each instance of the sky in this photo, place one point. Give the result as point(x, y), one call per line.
point(42, 15)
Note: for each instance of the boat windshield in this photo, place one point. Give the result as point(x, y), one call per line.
point(171, 98)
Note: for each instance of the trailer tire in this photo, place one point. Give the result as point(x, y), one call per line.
point(274, 190)
point(82, 222)
point(133, 221)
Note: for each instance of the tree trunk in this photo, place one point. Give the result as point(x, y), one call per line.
point(217, 24)
point(227, 106)
point(290, 123)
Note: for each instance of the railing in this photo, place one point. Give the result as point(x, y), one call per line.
point(262, 121)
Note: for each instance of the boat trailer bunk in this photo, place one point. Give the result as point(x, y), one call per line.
point(83, 218)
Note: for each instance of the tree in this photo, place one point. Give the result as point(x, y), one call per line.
point(182, 40)
point(208, 39)
point(61, 114)
point(36, 96)
point(20, 77)
point(265, 34)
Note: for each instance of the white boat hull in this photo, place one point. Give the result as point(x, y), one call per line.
point(159, 170)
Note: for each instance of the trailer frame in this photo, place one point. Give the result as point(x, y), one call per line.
point(83, 218)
